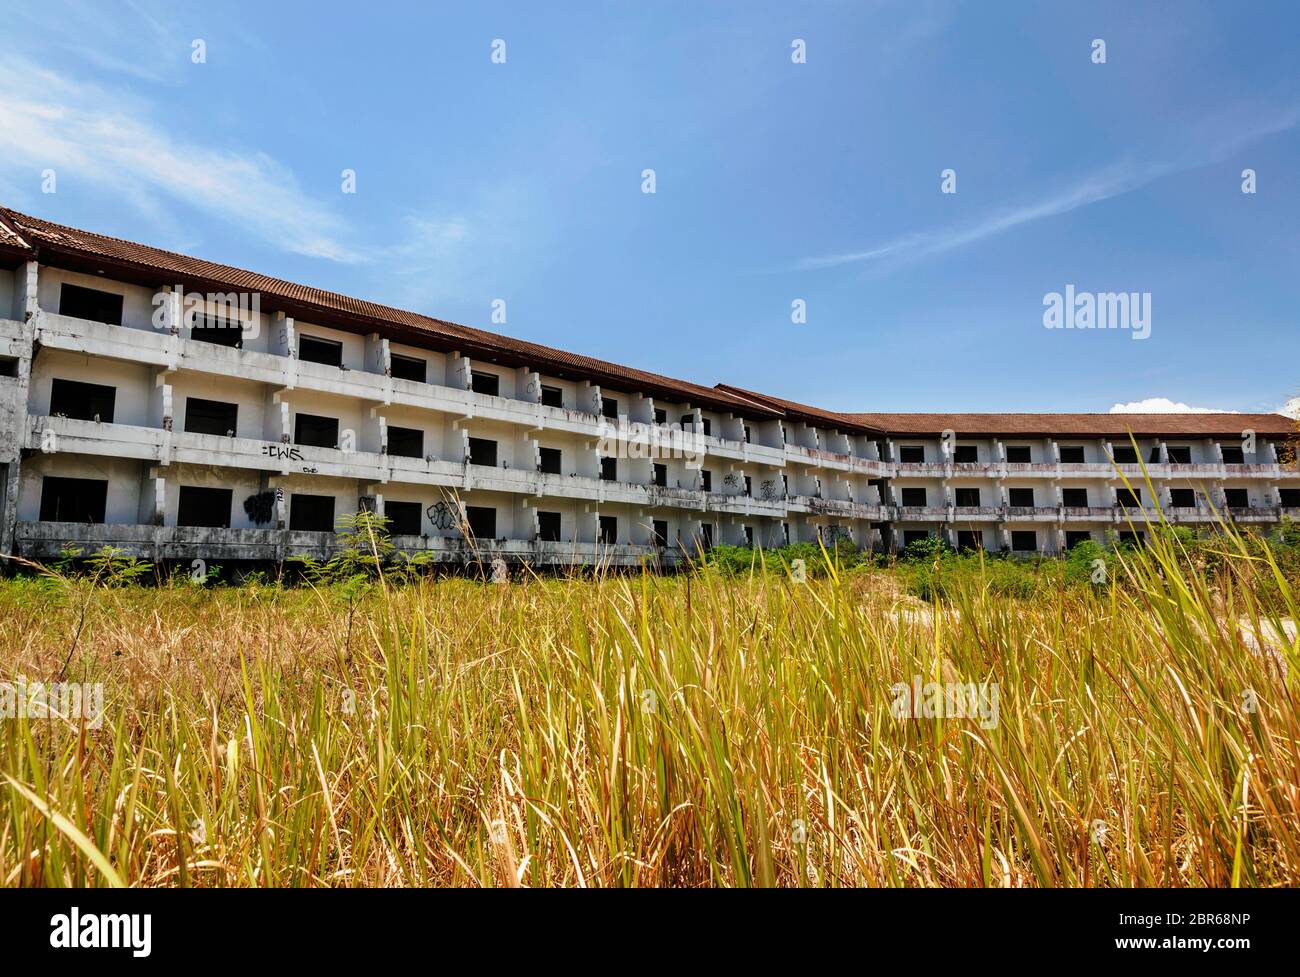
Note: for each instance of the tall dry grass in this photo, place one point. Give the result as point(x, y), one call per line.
point(696, 730)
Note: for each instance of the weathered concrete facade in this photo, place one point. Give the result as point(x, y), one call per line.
point(125, 407)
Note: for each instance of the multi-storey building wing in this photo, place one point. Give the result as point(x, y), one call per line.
point(178, 409)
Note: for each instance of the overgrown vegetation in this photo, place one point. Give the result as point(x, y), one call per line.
point(722, 727)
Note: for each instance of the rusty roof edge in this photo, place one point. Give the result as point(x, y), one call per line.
point(22, 247)
point(789, 408)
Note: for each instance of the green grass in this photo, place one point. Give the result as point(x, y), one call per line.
point(725, 727)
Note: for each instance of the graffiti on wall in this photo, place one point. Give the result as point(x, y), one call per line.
point(441, 516)
point(260, 508)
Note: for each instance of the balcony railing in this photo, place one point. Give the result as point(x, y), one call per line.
point(46, 540)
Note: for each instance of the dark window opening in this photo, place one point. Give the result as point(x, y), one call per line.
point(914, 497)
point(966, 454)
point(313, 349)
point(208, 507)
point(749, 537)
point(706, 535)
point(408, 368)
point(609, 530)
point(660, 532)
point(1289, 497)
point(911, 454)
point(1075, 498)
point(1024, 541)
point(548, 527)
point(1073, 537)
point(218, 331)
point(1183, 498)
point(1128, 498)
point(708, 427)
point(406, 442)
point(747, 434)
point(1237, 498)
point(609, 469)
point(1125, 455)
point(550, 460)
point(319, 432)
point(968, 498)
point(609, 407)
point(552, 396)
point(911, 536)
point(485, 383)
point(661, 475)
point(749, 485)
point(211, 417)
point(311, 513)
point(8, 366)
point(706, 480)
point(1129, 537)
point(661, 415)
point(1233, 454)
point(970, 539)
point(1180, 454)
point(1153, 457)
point(482, 521)
point(1021, 497)
point(82, 401)
point(1018, 454)
point(1072, 454)
point(73, 499)
point(404, 518)
point(90, 303)
point(483, 451)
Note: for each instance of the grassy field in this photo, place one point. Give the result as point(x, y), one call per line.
point(716, 728)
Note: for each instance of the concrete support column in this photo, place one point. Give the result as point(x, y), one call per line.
point(30, 291)
point(460, 372)
point(528, 385)
point(159, 500)
point(9, 472)
point(589, 397)
point(285, 343)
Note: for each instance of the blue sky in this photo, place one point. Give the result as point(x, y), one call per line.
point(775, 181)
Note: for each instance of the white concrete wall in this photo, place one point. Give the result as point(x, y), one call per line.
point(123, 475)
point(137, 301)
point(133, 382)
point(250, 399)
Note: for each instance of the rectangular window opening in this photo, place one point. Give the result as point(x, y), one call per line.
point(82, 401)
point(311, 513)
point(208, 507)
point(73, 499)
point(408, 367)
point(211, 417)
point(313, 349)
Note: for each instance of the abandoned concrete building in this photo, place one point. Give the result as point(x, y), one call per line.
point(179, 409)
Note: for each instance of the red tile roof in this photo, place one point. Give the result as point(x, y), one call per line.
point(1085, 425)
point(803, 412)
point(57, 244)
point(54, 240)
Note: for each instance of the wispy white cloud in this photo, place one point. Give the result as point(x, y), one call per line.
point(84, 132)
point(1163, 405)
point(1212, 142)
